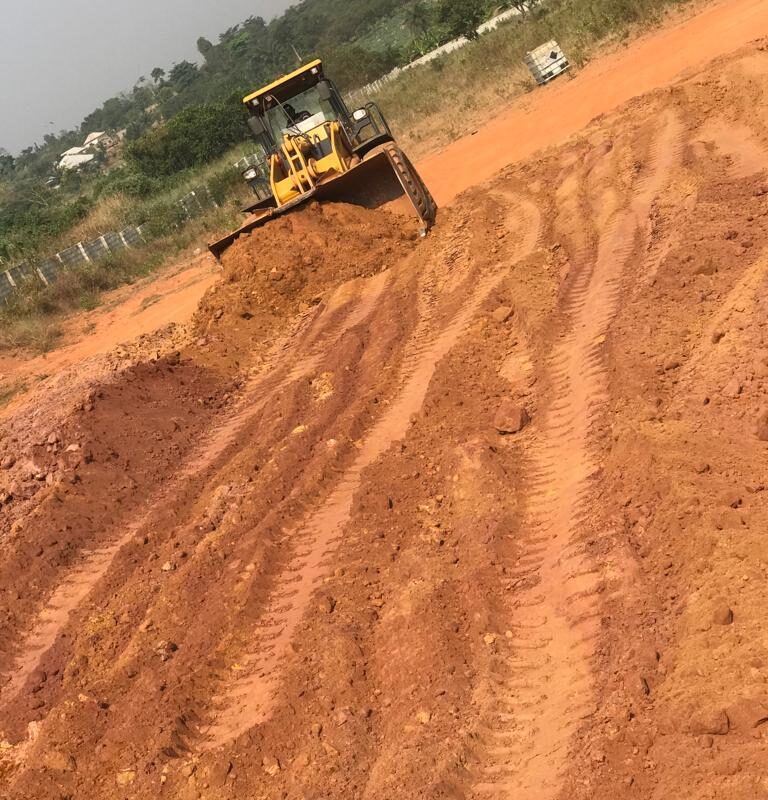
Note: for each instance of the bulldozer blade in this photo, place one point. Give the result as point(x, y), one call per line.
point(384, 178)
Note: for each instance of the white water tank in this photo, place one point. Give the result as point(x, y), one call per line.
point(547, 62)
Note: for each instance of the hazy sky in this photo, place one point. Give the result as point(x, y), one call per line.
point(60, 59)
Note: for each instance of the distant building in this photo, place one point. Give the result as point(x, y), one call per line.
point(75, 158)
point(95, 143)
point(100, 139)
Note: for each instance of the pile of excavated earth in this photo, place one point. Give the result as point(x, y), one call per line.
point(475, 516)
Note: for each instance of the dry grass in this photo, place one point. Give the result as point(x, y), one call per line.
point(36, 334)
point(9, 391)
point(111, 214)
point(431, 106)
point(33, 319)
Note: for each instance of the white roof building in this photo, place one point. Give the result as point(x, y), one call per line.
point(73, 151)
point(93, 138)
point(75, 160)
point(77, 157)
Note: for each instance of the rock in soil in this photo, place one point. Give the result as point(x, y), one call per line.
point(503, 314)
point(723, 615)
point(511, 417)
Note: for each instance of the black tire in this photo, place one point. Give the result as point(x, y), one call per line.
point(414, 186)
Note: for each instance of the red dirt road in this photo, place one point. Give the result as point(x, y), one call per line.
point(475, 516)
point(125, 314)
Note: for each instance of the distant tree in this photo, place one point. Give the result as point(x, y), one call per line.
point(421, 18)
point(114, 114)
point(204, 47)
point(462, 17)
point(136, 129)
point(7, 163)
point(158, 73)
point(353, 66)
point(195, 136)
point(183, 74)
point(143, 96)
point(229, 33)
point(165, 93)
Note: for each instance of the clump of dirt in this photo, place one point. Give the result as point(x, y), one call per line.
point(53, 410)
point(287, 266)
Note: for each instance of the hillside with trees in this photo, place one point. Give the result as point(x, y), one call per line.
point(182, 116)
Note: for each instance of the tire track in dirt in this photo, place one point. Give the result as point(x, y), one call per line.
point(547, 684)
point(240, 591)
point(351, 305)
point(321, 333)
point(250, 699)
point(314, 336)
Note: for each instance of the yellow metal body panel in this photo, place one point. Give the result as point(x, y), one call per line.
point(317, 64)
point(305, 172)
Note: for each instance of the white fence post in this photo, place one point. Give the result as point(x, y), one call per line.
point(82, 249)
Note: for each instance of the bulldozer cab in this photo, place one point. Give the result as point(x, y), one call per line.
point(296, 105)
point(301, 103)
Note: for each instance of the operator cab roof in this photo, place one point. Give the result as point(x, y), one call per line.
point(287, 87)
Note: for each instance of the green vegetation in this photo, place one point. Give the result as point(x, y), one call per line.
point(194, 137)
point(461, 17)
point(185, 125)
point(31, 319)
point(8, 392)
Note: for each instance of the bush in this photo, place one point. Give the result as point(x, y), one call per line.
point(196, 136)
point(75, 288)
point(25, 227)
point(353, 66)
point(463, 17)
point(127, 181)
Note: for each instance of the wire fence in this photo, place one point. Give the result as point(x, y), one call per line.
point(47, 270)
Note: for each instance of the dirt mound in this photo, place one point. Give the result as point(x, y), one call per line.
point(289, 265)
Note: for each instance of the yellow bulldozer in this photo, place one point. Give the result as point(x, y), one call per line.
point(312, 147)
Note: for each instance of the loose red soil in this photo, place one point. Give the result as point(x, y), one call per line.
point(474, 516)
